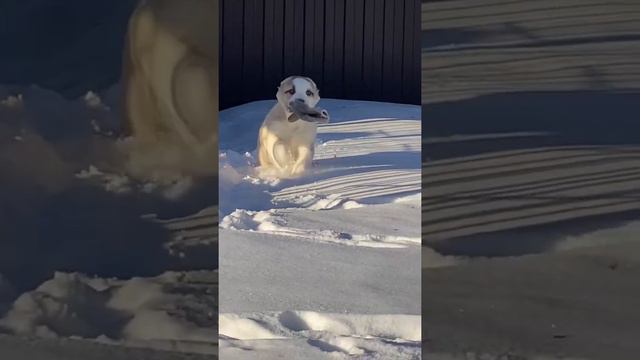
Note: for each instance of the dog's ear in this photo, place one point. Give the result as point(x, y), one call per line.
point(288, 78)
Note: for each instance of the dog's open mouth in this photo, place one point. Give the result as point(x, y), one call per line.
point(301, 111)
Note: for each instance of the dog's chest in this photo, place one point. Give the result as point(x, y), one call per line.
point(297, 130)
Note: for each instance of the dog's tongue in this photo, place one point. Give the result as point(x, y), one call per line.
point(303, 112)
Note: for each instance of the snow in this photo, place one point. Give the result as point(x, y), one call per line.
point(341, 335)
point(324, 265)
point(12, 101)
point(131, 312)
point(93, 101)
point(87, 249)
point(359, 233)
point(32, 348)
point(327, 264)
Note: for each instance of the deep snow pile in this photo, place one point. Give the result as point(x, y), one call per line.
point(72, 304)
point(327, 264)
point(69, 208)
point(82, 139)
point(174, 311)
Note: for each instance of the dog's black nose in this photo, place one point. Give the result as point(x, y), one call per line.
point(300, 100)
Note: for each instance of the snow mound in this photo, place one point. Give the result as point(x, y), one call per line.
point(13, 101)
point(86, 133)
point(625, 233)
point(67, 183)
point(236, 327)
point(359, 160)
point(277, 222)
point(171, 188)
point(313, 333)
point(326, 265)
point(171, 308)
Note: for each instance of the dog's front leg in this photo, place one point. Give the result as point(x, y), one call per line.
point(281, 154)
point(303, 161)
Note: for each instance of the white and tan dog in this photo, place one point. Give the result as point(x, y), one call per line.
point(170, 78)
point(287, 136)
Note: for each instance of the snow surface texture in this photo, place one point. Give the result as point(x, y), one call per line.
point(81, 136)
point(146, 312)
point(67, 203)
point(327, 265)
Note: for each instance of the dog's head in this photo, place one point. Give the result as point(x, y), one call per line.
point(298, 89)
point(299, 95)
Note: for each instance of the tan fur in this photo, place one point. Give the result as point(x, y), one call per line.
point(171, 87)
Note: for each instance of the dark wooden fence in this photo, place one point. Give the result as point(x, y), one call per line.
point(353, 49)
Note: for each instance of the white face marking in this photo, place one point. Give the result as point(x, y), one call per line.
point(302, 86)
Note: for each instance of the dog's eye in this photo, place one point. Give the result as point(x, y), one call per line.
point(309, 93)
point(291, 91)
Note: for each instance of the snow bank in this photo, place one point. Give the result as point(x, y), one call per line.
point(140, 311)
point(278, 222)
point(339, 335)
point(620, 234)
point(369, 154)
point(171, 186)
point(47, 113)
point(81, 136)
point(326, 265)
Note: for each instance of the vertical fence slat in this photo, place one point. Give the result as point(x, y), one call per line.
point(387, 56)
point(416, 75)
point(308, 27)
point(318, 39)
point(378, 50)
point(287, 54)
point(368, 40)
point(329, 78)
point(398, 49)
point(253, 48)
point(350, 42)
point(358, 40)
point(277, 72)
point(407, 50)
point(232, 57)
point(338, 43)
point(270, 52)
point(297, 45)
